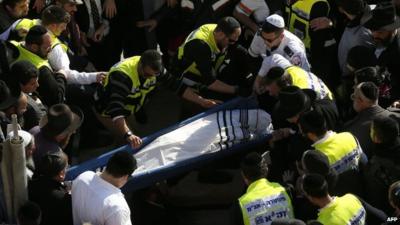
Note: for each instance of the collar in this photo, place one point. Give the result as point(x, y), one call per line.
point(106, 184)
point(328, 205)
point(323, 139)
point(256, 183)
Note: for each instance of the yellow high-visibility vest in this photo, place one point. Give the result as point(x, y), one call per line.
point(265, 201)
point(206, 34)
point(342, 150)
point(343, 210)
point(299, 19)
point(139, 90)
point(24, 54)
point(307, 80)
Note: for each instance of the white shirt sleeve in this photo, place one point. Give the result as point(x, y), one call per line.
point(257, 47)
point(58, 60)
point(274, 60)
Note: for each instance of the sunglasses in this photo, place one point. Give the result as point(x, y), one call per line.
point(269, 40)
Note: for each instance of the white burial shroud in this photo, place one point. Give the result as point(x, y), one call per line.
point(209, 134)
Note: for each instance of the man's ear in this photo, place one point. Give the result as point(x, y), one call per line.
point(34, 48)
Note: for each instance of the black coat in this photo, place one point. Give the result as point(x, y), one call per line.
point(389, 58)
point(382, 170)
point(53, 199)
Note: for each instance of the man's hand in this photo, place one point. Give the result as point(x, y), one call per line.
point(134, 141)
point(320, 23)
point(288, 176)
point(39, 5)
point(209, 103)
point(110, 8)
point(100, 77)
point(281, 133)
point(150, 24)
point(99, 34)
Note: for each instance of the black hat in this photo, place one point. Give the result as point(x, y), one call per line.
point(383, 17)
point(62, 119)
point(7, 98)
point(361, 56)
point(293, 100)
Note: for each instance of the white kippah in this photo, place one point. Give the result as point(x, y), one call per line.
point(276, 20)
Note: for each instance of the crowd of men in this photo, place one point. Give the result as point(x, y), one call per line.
point(326, 70)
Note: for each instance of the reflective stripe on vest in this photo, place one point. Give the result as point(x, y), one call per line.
point(299, 19)
point(342, 150)
point(265, 201)
point(24, 54)
point(345, 210)
point(307, 80)
point(139, 91)
point(206, 34)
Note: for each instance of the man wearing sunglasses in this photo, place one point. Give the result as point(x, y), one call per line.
point(204, 59)
point(124, 92)
point(273, 38)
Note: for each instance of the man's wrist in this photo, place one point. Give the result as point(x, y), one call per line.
point(128, 134)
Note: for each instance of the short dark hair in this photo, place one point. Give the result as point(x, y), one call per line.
point(11, 3)
point(279, 75)
point(386, 128)
point(254, 167)
point(55, 15)
point(29, 214)
point(313, 122)
point(369, 90)
point(52, 164)
point(23, 71)
point(121, 164)
point(227, 25)
point(152, 58)
point(315, 185)
point(35, 35)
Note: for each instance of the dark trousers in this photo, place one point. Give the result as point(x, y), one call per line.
point(124, 35)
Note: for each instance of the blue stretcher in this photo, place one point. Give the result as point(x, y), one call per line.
point(142, 180)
